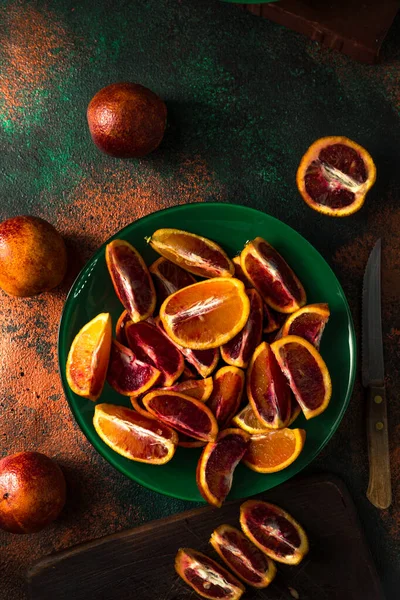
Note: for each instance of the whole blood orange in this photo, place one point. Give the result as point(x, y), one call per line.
point(274, 450)
point(308, 322)
point(335, 175)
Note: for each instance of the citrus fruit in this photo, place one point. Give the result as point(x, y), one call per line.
point(226, 395)
point(123, 319)
point(207, 577)
point(188, 373)
point(128, 375)
point(185, 414)
point(274, 450)
point(247, 420)
point(238, 351)
point(88, 357)
point(308, 322)
point(267, 389)
point(274, 531)
point(239, 273)
point(217, 463)
point(272, 277)
point(206, 314)
point(134, 435)
point(295, 411)
point(192, 252)
point(137, 403)
point(335, 175)
point(169, 278)
point(200, 389)
point(151, 345)
point(188, 442)
point(131, 279)
point(272, 319)
point(242, 556)
point(306, 372)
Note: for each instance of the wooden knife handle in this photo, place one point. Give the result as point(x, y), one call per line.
point(379, 491)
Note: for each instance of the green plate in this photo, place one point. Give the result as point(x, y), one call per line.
point(231, 226)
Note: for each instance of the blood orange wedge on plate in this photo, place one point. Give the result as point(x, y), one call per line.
point(123, 320)
point(169, 278)
point(274, 450)
point(272, 319)
point(89, 356)
point(128, 375)
point(136, 436)
point(274, 531)
point(206, 314)
point(207, 577)
point(152, 346)
point(308, 322)
point(335, 175)
point(272, 277)
point(239, 273)
point(200, 389)
point(267, 389)
point(226, 395)
point(188, 442)
point(192, 252)
point(238, 351)
point(247, 420)
point(295, 411)
point(131, 279)
point(242, 556)
point(217, 463)
point(185, 414)
point(306, 372)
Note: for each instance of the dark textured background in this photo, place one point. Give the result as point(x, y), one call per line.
point(245, 99)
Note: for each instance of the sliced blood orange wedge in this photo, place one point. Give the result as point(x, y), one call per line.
point(272, 277)
point(89, 356)
point(188, 373)
point(274, 531)
point(192, 252)
point(131, 279)
point(239, 273)
point(296, 410)
point(308, 322)
point(240, 349)
point(247, 420)
point(226, 394)
point(207, 577)
point(169, 278)
point(206, 314)
point(335, 175)
point(123, 320)
point(133, 435)
point(200, 389)
point(137, 403)
point(274, 450)
point(272, 319)
point(188, 442)
point(242, 556)
point(217, 463)
point(267, 389)
point(185, 414)
point(128, 375)
point(154, 347)
point(306, 372)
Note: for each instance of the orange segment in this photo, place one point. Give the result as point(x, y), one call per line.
point(306, 372)
point(274, 450)
point(206, 314)
point(200, 389)
point(88, 357)
point(192, 252)
point(308, 322)
point(335, 175)
point(133, 435)
point(247, 420)
point(227, 394)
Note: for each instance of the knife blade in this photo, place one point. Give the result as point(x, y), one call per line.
point(379, 490)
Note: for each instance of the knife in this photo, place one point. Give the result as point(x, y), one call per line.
point(379, 491)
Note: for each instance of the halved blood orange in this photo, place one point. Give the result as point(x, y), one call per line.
point(185, 414)
point(306, 372)
point(226, 394)
point(206, 314)
point(133, 435)
point(123, 319)
point(274, 531)
point(169, 278)
point(308, 322)
point(267, 389)
point(272, 277)
point(131, 279)
point(247, 420)
point(335, 175)
point(217, 463)
point(192, 252)
point(240, 349)
point(89, 356)
point(239, 273)
point(207, 577)
point(127, 374)
point(242, 556)
point(200, 389)
point(274, 450)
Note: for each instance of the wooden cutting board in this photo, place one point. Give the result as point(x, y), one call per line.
point(138, 564)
